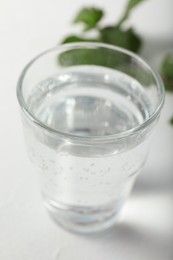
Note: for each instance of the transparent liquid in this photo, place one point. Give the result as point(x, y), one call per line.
point(101, 102)
point(86, 185)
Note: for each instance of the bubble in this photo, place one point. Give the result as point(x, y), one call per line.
point(86, 169)
point(51, 161)
point(43, 167)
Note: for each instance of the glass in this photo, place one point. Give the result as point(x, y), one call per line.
point(88, 111)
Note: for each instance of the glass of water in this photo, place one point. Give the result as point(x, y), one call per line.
point(88, 111)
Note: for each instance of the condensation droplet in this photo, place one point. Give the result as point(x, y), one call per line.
point(51, 161)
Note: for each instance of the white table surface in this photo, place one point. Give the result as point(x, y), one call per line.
point(26, 231)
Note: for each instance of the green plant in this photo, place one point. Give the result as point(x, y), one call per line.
point(166, 71)
point(114, 34)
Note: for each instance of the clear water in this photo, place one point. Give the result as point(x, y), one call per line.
point(87, 184)
point(101, 102)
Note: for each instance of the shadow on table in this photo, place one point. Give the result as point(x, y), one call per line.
point(149, 183)
point(130, 240)
point(124, 242)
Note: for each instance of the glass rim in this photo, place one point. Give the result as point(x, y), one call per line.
point(114, 136)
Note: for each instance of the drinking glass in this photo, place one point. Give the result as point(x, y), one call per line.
point(88, 112)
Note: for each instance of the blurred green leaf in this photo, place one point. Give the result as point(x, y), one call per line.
point(74, 38)
point(89, 17)
point(100, 57)
point(126, 39)
point(114, 35)
point(130, 5)
point(171, 121)
point(167, 71)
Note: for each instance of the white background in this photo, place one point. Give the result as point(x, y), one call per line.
point(26, 232)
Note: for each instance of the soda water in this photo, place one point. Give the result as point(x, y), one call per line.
point(88, 181)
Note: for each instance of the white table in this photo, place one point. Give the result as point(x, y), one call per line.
point(26, 231)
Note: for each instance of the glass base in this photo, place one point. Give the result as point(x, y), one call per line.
point(84, 220)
